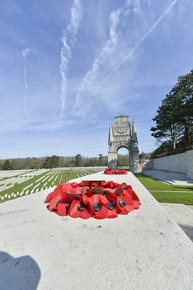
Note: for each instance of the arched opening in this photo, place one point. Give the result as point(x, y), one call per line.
point(123, 158)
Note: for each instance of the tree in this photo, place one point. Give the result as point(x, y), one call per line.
point(174, 121)
point(54, 161)
point(101, 159)
point(78, 160)
point(164, 147)
point(6, 165)
point(144, 155)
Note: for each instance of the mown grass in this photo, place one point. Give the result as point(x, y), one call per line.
point(167, 193)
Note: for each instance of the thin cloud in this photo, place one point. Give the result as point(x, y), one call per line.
point(139, 42)
point(25, 52)
point(25, 95)
point(86, 85)
point(68, 39)
point(100, 60)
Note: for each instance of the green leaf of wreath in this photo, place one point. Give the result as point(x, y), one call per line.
point(75, 195)
point(96, 190)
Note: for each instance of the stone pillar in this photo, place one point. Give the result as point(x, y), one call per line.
point(112, 159)
point(134, 159)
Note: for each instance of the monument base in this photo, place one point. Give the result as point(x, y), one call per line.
point(145, 249)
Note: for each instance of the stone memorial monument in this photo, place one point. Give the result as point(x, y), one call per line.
point(123, 135)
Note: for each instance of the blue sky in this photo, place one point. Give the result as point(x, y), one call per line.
point(69, 67)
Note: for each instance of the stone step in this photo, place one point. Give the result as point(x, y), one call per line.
point(175, 178)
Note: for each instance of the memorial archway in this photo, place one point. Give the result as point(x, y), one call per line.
point(123, 135)
point(123, 158)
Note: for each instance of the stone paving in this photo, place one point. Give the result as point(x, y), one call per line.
point(182, 214)
point(175, 178)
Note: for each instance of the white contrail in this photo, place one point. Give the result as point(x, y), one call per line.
point(140, 41)
point(25, 95)
point(102, 57)
point(69, 35)
point(25, 52)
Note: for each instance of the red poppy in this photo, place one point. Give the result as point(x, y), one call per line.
point(124, 204)
point(114, 171)
point(131, 193)
point(98, 204)
point(63, 206)
point(80, 209)
point(110, 203)
point(56, 191)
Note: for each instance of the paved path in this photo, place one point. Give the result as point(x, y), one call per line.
point(169, 177)
point(182, 214)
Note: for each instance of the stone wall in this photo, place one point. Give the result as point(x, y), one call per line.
point(189, 156)
point(177, 163)
point(182, 162)
point(146, 164)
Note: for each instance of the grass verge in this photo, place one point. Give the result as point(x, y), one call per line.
point(166, 193)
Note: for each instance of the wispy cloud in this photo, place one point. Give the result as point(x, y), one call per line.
point(138, 43)
point(25, 95)
point(87, 89)
point(99, 60)
point(25, 52)
point(68, 39)
point(105, 58)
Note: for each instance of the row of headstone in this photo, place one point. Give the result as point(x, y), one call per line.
point(10, 196)
point(30, 185)
point(51, 176)
point(80, 172)
point(19, 179)
point(4, 187)
point(56, 177)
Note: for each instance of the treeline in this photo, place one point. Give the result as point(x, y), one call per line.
point(59, 162)
point(50, 162)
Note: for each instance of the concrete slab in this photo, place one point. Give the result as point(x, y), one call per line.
point(183, 215)
point(143, 250)
point(170, 177)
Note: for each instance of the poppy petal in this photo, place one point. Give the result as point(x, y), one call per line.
point(85, 214)
point(53, 203)
point(102, 213)
point(61, 209)
point(73, 211)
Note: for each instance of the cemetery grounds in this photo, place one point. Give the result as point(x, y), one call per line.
point(18, 183)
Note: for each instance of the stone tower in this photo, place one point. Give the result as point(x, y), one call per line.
point(123, 135)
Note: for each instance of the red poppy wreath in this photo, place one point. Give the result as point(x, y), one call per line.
point(114, 171)
point(98, 199)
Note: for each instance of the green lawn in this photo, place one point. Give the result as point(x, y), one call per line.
point(163, 192)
